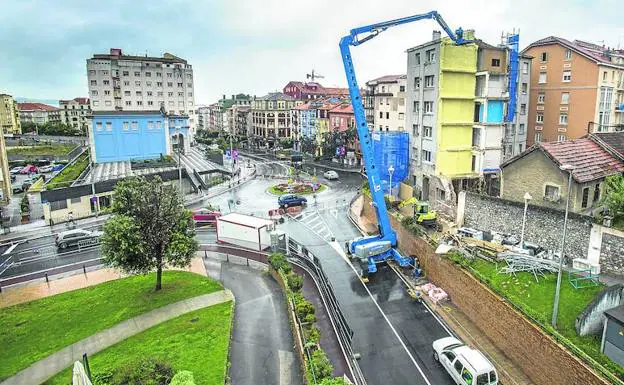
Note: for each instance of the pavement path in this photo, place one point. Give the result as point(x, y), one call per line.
point(51, 365)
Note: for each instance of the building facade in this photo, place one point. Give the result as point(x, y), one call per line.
point(38, 113)
point(119, 136)
point(178, 126)
point(203, 118)
point(119, 82)
point(75, 113)
point(385, 102)
point(271, 118)
point(576, 88)
point(9, 116)
point(313, 90)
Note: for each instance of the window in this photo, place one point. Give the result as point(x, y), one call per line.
point(565, 97)
point(551, 192)
point(401, 116)
point(137, 83)
point(561, 138)
point(169, 75)
point(441, 196)
point(539, 118)
point(417, 58)
point(567, 76)
point(380, 114)
point(169, 84)
point(525, 68)
point(137, 73)
point(149, 93)
point(387, 128)
point(150, 103)
point(431, 55)
point(525, 87)
point(171, 103)
point(158, 74)
point(449, 355)
point(474, 163)
point(139, 102)
point(108, 103)
point(109, 126)
point(429, 81)
point(181, 94)
point(458, 366)
point(387, 101)
point(387, 115)
point(135, 125)
point(91, 72)
point(126, 93)
point(415, 129)
point(98, 126)
point(521, 129)
point(150, 125)
point(542, 78)
point(94, 92)
point(148, 74)
point(544, 56)
point(179, 84)
point(125, 73)
point(159, 93)
point(128, 103)
point(563, 118)
point(190, 94)
point(106, 82)
point(180, 104)
point(126, 126)
point(604, 76)
point(482, 379)
point(126, 83)
point(139, 93)
point(520, 147)
point(158, 123)
point(538, 137)
point(380, 127)
point(401, 88)
point(158, 84)
point(58, 205)
point(169, 93)
point(427, 131)
point(495, 62)
point(541, 98)
point(596, 193)
point(149, 84)
point(428, 107)
point(426, 156)
point(523, 109)
point(585, 197)
point(416, 106)
point(416, 82)
point(94, 82)
point(76, 200)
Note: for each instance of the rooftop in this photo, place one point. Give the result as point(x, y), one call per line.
point(591, 51)
point(126, 112)
point(35, 107)
point(318, 89)
point(117, 54)
point(590, 160)
point(387, 79)
point(246, 220)
point(476, 359)
point(77, 100)
point(345, 108)
point(118, 170)
point(276, 96)
point(610, 141)
point(616, 313)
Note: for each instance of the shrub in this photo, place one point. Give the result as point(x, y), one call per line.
point(334, 381)
point(24, 204)
point(314, 335)
point(183, 378)
point(295, 281)
point(304, 308)
point(279, 262)
point(150, 371)
point(320, 364)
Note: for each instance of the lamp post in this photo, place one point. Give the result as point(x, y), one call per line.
point(568, 168)
point(390, 170)
point(527, 198)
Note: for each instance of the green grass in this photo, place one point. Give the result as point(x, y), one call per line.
point(197, 341)
point(49, 149)
point(34, 330)
point(273, 190)
point(70, 173)
point(536, 299)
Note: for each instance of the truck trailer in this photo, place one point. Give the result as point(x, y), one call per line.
point(245, 231)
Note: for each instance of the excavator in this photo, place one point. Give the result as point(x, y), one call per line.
point(374, 249)
point(423, 215)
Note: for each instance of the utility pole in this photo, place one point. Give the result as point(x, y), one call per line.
point(93, 197)
point(180, 164)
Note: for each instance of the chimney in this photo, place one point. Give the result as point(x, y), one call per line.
point(436, 35)
point(223, 96)
point(233, 97)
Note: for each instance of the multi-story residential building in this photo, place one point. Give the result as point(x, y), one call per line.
point(342, 121)
point(271, 118)
point(213, 122)
point(223, 114)
point(203, 118)
point(119, 82)
point(313, 90)
point(9, 115)
point(75, 113)
point(515, 140)
point(239, 119)
point(576, 88)
point(385, 102)
point(441, 78)
point(38, 113)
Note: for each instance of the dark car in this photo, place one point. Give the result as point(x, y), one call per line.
point(289, 200)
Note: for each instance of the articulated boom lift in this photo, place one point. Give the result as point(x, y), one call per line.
point(377, 248)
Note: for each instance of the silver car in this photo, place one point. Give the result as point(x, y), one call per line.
point(331, 175)
point(74, 237)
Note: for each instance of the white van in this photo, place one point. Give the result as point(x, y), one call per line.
point(467, 366)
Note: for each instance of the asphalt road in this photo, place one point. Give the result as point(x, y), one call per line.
point(262, 346)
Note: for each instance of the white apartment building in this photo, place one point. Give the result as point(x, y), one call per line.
point(141, 83)
point(75, 112)
point(203, 117)
point(385, 103)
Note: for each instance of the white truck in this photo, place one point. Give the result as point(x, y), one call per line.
point(245, 231)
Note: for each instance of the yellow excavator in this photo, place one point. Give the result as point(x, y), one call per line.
point(422, 214)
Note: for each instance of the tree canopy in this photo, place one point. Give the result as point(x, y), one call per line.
point(149, 229)
point(613, 197)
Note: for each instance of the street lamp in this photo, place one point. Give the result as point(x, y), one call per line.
point(568, 168)
point(527, 198)
point(390, 170)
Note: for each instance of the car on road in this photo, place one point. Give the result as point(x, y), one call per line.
point(205, 215)
point(330, 175)
point(16, 170)
point(289, 200)
point(74, 237)
point(28, 169)
point(48, 168)
point(467, 366)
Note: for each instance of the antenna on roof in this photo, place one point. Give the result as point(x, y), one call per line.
point(313, 76)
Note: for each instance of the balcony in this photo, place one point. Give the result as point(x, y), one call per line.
point(619, 108)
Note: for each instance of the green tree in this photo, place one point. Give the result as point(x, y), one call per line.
point(28, 127)
point(613, 197)
point(150, 229)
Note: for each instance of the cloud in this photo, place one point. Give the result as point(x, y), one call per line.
point(258, 46)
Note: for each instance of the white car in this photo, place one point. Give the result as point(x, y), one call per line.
point(467, 366)
point(47, 168)
point(331, 175)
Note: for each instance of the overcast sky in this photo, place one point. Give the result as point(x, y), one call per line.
point(257, 46)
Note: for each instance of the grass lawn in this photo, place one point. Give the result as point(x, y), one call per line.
point(34, 330)
point(196, 341)
point(47, 149)
point(275, 191)
point(537, 298)
point(70, 173)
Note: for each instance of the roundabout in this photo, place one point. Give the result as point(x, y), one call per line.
point(299, 188)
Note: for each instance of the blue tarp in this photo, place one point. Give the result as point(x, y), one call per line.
point(391, 149)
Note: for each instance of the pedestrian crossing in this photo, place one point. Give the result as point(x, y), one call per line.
point(315, 222)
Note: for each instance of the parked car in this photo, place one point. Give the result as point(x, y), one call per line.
point(467, 366)
point(48, 168)
point(13, 178)
point(16, 170)
point(73, 237)
point(205, 216)
point(330, 174)
point(29, 169)
point(289, 200)
point(17, 188)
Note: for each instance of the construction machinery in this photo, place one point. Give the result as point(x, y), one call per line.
point(378, 248)
point(423, 215)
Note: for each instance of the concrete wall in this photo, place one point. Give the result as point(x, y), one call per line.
point(591, 319)
point(540, 358)
point(612, 254)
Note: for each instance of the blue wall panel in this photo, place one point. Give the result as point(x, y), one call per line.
point(495, 111)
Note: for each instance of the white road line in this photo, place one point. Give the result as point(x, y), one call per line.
point(8, 251)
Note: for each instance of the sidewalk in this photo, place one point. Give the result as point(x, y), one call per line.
point(51, 365)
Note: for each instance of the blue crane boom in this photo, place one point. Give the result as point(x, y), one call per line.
point(377, 248)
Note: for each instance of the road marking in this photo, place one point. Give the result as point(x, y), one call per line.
point(8, 251)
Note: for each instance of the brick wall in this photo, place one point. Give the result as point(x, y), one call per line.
point(544, 226)
point(612, 254)
point(535, 353)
